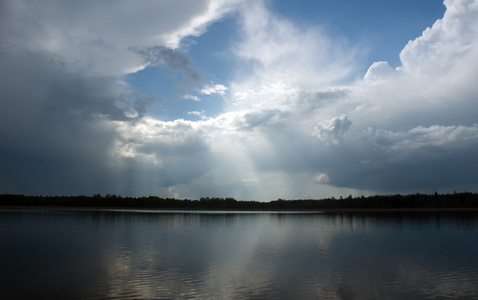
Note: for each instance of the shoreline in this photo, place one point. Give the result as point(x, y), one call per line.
point(179, 210)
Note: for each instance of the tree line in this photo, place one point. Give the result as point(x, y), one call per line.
point(397, 201)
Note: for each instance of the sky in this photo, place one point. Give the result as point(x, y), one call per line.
point(251, 99)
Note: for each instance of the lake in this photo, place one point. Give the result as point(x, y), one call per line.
point(111, 254)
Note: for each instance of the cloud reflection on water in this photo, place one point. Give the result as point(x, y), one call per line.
point(239, 256)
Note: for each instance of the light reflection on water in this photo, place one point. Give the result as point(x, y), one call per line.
point(212, 255)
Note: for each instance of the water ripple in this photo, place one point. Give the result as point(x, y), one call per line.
point(236, 256)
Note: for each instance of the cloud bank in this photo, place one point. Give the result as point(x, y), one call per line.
point(297, 122)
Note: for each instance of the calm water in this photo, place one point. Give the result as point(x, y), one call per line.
point(175, 255)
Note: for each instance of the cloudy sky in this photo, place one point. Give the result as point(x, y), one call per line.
point(234, 98)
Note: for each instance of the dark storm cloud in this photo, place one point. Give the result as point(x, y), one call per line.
point(436, 158)
point(40, 83)
point(53, 126)
point(64, 101)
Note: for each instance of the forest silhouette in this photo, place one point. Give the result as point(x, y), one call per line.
point(397, 201)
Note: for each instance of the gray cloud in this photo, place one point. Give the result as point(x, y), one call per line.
point(98, 35)
point(173, 59)
point(265, 119)
point(332, 131)
point(53, 138)
point(63, 100)
point(59, 132)
point(430, 159)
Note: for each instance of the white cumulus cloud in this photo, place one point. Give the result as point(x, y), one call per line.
point(213, 89)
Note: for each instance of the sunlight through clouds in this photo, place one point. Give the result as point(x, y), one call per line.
point(297, 116)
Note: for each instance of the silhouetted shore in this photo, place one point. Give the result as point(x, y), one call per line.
point(411, 202)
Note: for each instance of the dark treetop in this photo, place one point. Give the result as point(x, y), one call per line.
point(411, 201)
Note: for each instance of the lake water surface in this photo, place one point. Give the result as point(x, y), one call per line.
point(81, 254)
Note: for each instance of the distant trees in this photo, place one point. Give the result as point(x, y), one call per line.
point(455, 200)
